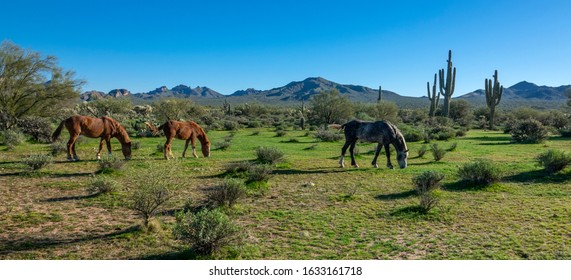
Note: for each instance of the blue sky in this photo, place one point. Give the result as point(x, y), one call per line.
point(234, 45)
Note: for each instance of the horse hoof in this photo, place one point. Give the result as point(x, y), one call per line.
point(376, 166)
point(390, 167)
point(356, 165)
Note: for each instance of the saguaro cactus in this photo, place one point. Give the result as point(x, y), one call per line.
point(493, 96)
point(434, 97)
point(447, 84)
point(380, 99)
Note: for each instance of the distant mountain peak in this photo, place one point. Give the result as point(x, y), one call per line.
point(524, 85)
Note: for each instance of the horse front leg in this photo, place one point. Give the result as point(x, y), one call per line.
point(352, 152)
point(71, 148)
point(388, 152)
point(108, 142)
point(193, 144)
point(185, 147)
point(167, 149)
point(343, 151)
point(377, 151)
point(98, 156)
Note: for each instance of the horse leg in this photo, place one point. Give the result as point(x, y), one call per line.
point(108, 142)
point(71, 147)
point(352, 152)
point(377, 151)
point(185, 147)
point(343, 151)
point(388, 152)
point(192, 142)
point(98, 156)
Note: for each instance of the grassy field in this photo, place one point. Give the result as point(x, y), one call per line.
point(312, 209)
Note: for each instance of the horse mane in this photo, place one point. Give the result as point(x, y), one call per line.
point(398, 136)
point(200, 133)
point(117, 130)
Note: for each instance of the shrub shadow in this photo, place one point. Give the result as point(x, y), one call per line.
point(462, 185)
point(66, 198)
point(393, 196)
point(539, 176)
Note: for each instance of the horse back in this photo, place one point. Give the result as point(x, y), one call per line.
point(83, 125)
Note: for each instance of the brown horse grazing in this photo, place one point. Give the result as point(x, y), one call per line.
point(383, 133)
point(104, 127)
point(188, 131)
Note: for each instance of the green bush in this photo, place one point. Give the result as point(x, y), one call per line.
point(58, 147)
point(223, 146)
point(259, 173)
point(269, 155)
point(227, 193)
point(12, 138)
point(37, 162)
point(452, 147)
point(565, 132)
point(38, 128)
point(238, 167)
point(281, 133)
point(206, 231)
point(136, 145)
point(108, 165)
point(326, 135)
point(553, 161)
point(437, 152)
point(231, 125)
point(422, 151)
point(148, 200)
point(529, 131)
point(426, 185)
point(480, 172)
point(102, 185)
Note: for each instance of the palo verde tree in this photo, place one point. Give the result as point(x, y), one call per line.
point(32, 85)
point(493, 96)
point(330, 107)
point(433, 97)
point(447, 84)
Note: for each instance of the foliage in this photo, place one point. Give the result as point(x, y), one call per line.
point(102, 185)
point(565, 132)
point(58, 147)
point(529, 131)
point(329, 107)
point(480, 172)
point(238, 167)
point(227, 193)
point(37, 161)
point(24, 86)
point(106, 107)
point(452, 147)
point(553, 161)
point(108, 165)
point(149, 199)
point(38, 128)
point(426, 185)
point(206, 231)
point(437, 152)
point(259, 172)
point(326, 135)
point(269, 155)
point(12, 138)
point(411, 133)
point(461, 112)
point(421, 151)
point(176, 109)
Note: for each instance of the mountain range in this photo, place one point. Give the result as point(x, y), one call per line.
point(303, 90)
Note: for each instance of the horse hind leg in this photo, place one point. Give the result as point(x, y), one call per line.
point(98, 155)
point(377, 151)
point(352, 152)
point(71, 154)
point(343, 151)
point(388, 153)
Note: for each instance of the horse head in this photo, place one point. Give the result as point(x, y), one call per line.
point(402, 157)
point(126, 149)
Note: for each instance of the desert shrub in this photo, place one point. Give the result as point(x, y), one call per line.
point(529, 131)
point(312, 147)
point(422, 151)
point(58, 147)
point(255, 133)
point(108, 165)
point(293, 140)
point(410, 133)
point(238, 167)
point(437, 152)
point(426, 185)
point(553, 161)
point(12, 138)
point(480, 172)
point(227, 193)
point(148, 200)
point(223, 145)
point(136, 145)
point(37, 162)
point(160, 148)
point(325, 135)
point(461, 132)
point(231, 125)
point(452, 147)
point(269, 155)
point(259, 173)
point(281, 133)
point(207, 231)
point(102, 185)
point(38, 128)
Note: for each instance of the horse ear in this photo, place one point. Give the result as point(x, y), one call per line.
point(406, 151)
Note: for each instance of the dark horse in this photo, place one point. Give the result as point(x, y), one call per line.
point(383, 133)
point(104, 127)
point(188, 131)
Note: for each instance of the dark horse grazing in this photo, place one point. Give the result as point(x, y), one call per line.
point(384, 133)
point(188, 131)
point(104, 127)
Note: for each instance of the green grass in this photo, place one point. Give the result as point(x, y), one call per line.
point(349, 213)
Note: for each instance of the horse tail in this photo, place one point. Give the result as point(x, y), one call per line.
point(153, 129)
point(336, 126)
point(58, 131)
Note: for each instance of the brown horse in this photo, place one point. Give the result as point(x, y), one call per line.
point(188, 131)
point(104, 127)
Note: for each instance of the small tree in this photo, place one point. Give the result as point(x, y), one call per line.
point(330, 107)
point(32, 85)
